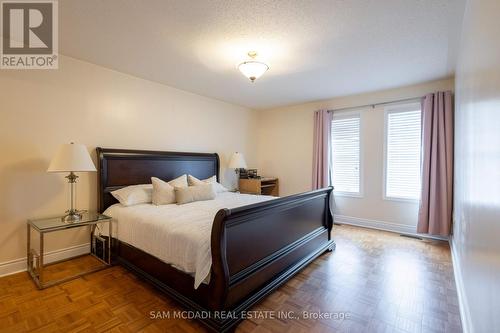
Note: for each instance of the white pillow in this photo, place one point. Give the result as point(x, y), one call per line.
point(134, 194)
point(163, 192)
point(194, 193)
point(219, 188)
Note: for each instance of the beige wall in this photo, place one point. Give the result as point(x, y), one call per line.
point(285, 141)
point(476, 239)
point(95, 106)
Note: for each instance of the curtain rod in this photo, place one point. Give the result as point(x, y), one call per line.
point(373, 105)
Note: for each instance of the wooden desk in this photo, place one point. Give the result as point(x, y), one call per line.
point(263, 185)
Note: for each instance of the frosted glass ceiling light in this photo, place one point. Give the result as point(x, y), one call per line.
point(253, 69)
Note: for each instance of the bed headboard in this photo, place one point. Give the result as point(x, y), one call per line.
point(118, 168)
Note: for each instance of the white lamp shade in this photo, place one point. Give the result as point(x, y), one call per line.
point(71, 157)
point(237, 161)
point(253, 69)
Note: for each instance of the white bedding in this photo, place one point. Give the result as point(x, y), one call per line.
point(176, 234)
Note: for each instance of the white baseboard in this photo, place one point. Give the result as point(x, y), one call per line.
point(19, 265)
point(382, 225)
point(374, 224)
point(462, 299)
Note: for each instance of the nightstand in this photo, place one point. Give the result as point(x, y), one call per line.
point(263, 185)
point(100, 246)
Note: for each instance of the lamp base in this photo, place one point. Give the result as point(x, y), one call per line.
point(72, 216)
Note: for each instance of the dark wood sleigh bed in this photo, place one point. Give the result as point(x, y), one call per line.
point(255, 248)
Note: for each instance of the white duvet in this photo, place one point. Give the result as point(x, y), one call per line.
point(176, 234)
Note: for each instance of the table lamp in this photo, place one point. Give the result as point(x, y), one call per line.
point(237, 162)
point(72, 158)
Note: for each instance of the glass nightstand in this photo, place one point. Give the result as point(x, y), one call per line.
point(98, 245)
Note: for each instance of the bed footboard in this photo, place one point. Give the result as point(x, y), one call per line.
point(257, 248)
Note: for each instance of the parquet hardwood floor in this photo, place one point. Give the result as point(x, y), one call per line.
point(379, 282)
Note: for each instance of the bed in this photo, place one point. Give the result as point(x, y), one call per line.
point(290, 233)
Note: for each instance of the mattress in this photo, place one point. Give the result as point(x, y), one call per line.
point(178, 235)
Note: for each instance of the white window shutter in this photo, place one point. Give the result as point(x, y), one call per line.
point(402, 179)
point(346, 154)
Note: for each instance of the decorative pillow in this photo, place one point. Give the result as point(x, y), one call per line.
point(219, 188)
point(180, 181)
point(134, 194)
point(194, 193)
point(163, 192)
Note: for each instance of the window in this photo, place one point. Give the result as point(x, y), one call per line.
point(346, 154)
point(402, 152)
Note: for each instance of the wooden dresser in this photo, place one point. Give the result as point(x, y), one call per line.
point(263, 185)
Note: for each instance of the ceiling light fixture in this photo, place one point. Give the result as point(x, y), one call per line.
point(253, 69)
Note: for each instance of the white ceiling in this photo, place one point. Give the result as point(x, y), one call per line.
point(315, 49)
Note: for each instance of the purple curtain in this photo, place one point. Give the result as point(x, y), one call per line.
point(321, 149)
point(435, 211)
